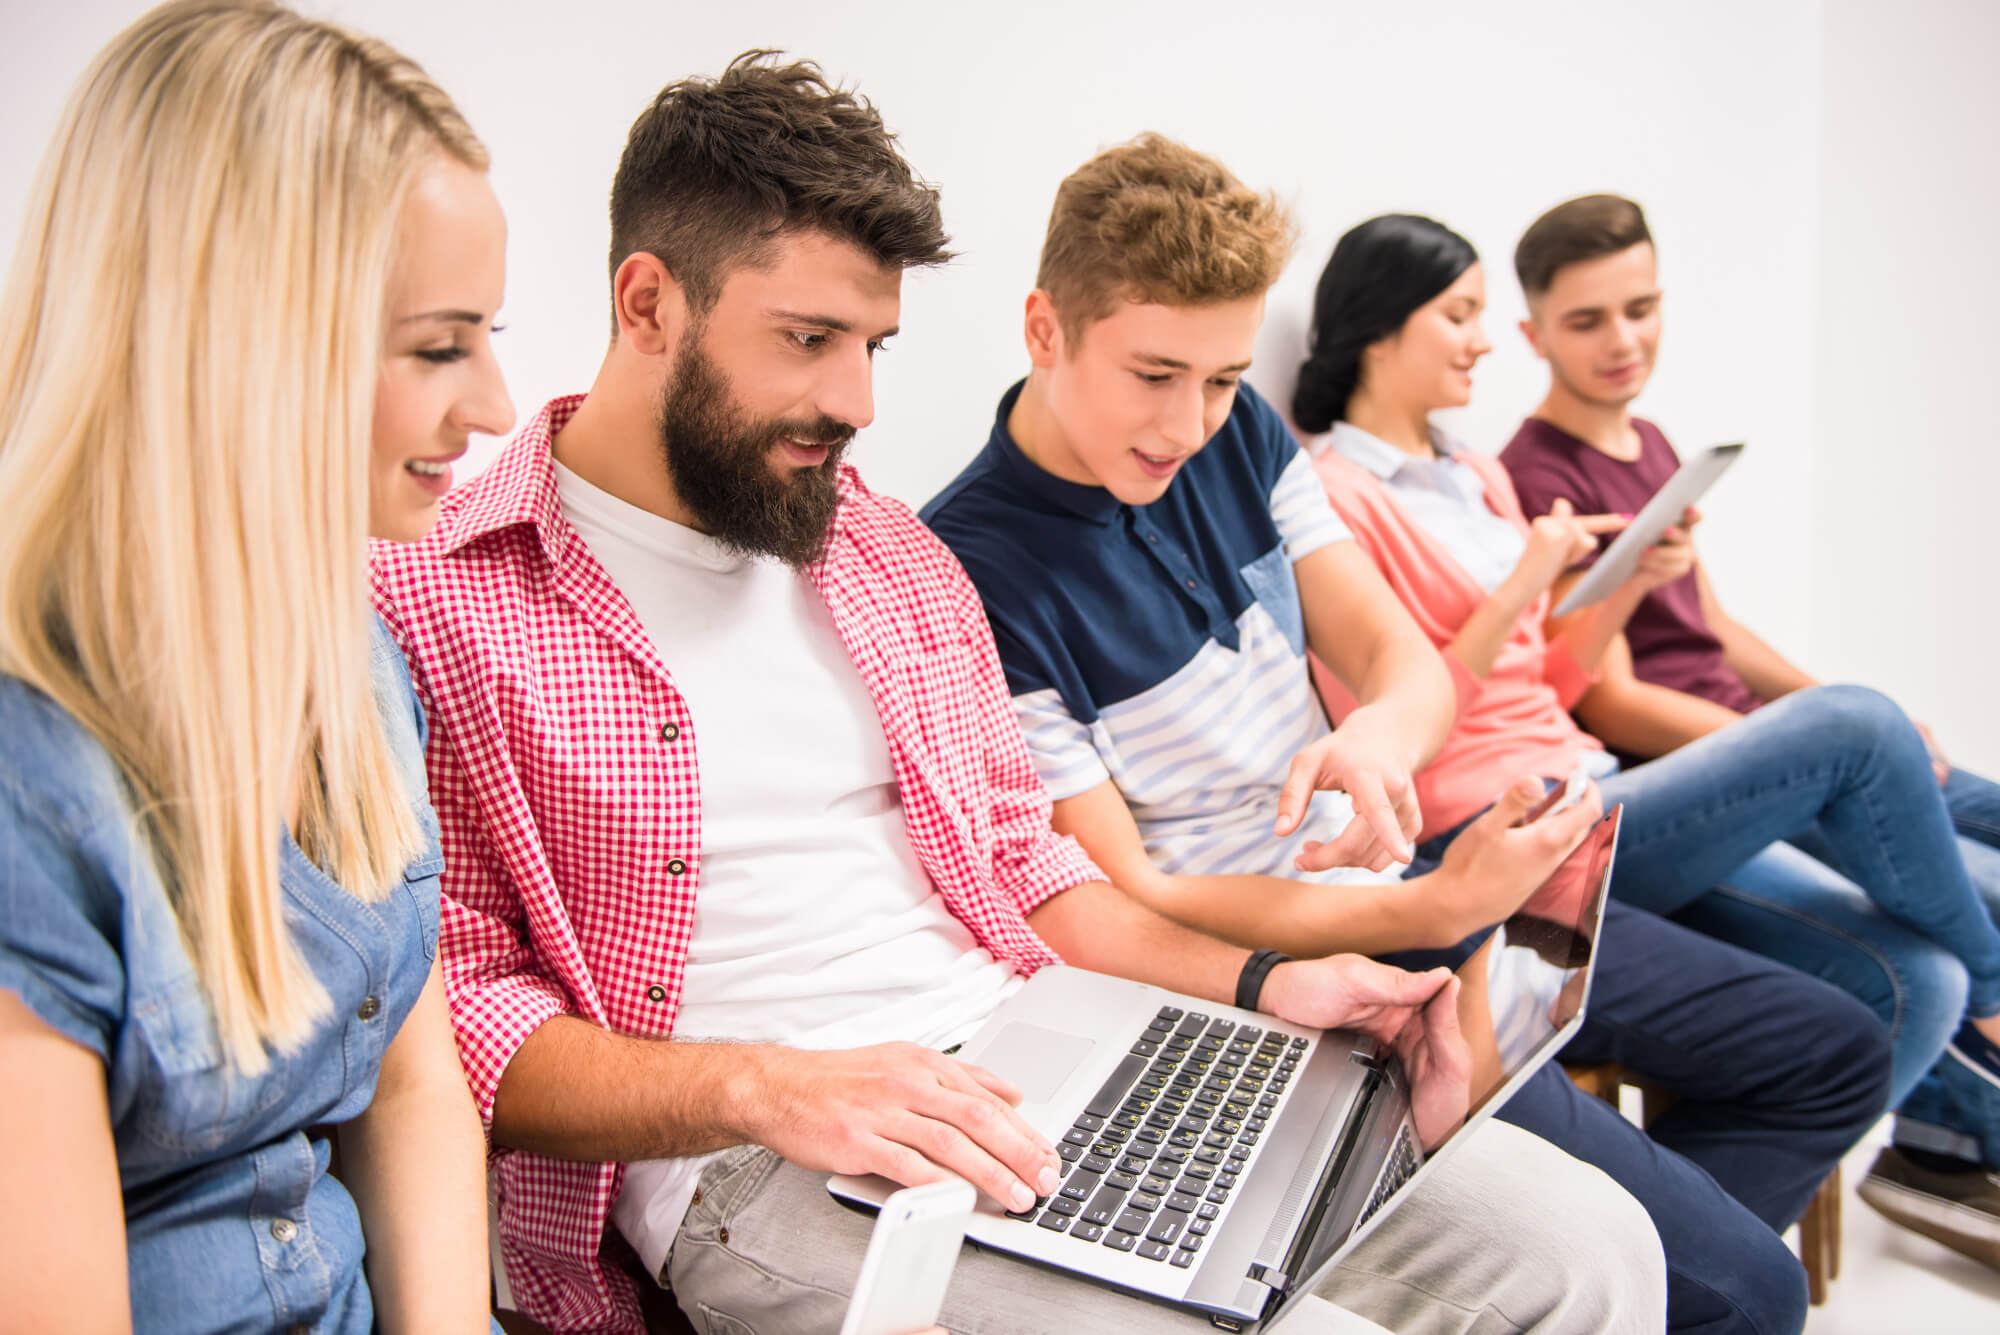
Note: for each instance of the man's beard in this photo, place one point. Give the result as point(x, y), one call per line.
point(720, 463)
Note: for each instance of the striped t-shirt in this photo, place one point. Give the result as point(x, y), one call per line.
point(1160, 646)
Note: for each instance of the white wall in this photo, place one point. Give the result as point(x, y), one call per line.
point(1710, 113)
point(1906, 511)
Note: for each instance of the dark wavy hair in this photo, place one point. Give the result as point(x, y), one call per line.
point(1380, 272)
point(715, 170)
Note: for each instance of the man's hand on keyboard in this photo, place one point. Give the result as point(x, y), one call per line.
point(900, 1110)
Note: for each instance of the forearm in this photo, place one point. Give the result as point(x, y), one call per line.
point(416, 1167)
point(1484, 634)
point(576, 1091)
point(1099, 927)
point(1768, 673)
point(1585, 635)
point(1642, 719)
point(1408, 688)
point(1302, 918)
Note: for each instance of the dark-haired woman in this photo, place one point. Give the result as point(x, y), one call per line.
point(1394, 338)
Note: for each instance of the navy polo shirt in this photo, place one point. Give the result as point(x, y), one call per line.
point(1159, 646)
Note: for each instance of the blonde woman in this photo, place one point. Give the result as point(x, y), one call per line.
point(247, 326)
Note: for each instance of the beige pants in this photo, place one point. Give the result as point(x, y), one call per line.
point(1510, 1235)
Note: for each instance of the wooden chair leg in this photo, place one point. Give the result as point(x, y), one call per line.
point(1831, 1190)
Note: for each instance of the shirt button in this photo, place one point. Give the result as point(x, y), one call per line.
point(668, 732)
point(676, 866)
point(656, 993)
point(368, 1009)
point(284, 1230)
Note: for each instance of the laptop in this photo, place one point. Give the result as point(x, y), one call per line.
point(1222, 1160)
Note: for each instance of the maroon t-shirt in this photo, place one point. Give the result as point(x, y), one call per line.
point(1671, 642)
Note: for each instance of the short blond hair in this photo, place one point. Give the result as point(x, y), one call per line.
point(1154, 221)
point(188, 358)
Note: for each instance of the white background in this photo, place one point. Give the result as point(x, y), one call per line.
point(1821, 177)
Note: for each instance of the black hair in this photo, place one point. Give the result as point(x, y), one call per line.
point(1380, 272)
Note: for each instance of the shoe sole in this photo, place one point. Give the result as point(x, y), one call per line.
point(1971, 1232)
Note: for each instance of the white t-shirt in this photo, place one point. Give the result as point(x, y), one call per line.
point(815, 924)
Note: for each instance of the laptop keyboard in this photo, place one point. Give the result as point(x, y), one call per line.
point(1404, 1159)
point(1149, 1164)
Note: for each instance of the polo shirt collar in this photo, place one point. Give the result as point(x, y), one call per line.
point(1381, 458)
point(1095, 504)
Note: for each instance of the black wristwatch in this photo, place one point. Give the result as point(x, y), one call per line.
point(1250, 983)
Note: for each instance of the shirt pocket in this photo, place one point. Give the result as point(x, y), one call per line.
point(423, 878)
point(1276, 589)
point(192, 1100)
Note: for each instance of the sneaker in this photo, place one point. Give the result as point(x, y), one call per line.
point(1960, 1210)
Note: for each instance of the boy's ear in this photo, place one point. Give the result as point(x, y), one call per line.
point(1534, 337)
point(1042, 329)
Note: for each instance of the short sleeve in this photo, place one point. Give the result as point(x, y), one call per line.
point(58, 949)
point(1304, 516)
point(1059, 744)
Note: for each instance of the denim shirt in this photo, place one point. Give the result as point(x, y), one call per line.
point(231, 1221)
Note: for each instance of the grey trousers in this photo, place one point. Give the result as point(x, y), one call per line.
point(1510, 1235)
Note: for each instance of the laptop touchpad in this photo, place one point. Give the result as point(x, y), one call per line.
point(1036, 1059)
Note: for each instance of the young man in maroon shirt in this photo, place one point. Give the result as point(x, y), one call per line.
point(1686, 668)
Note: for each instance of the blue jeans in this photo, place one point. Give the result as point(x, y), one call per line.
point(1775, 1074)
point(1951, 1110)
point(1838, 766)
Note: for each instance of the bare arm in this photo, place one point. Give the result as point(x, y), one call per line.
point(1406, 705)
point(576, 1091)
point(1356, 626)
point(1489, 871)
point(1642, 719)
point(416, 1165)
point(1768, 673)
point(1277, 912)
point(62, 1217)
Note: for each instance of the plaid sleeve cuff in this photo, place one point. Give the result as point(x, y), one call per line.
point(492, 1017)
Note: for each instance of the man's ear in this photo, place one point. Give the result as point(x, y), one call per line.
point(649, 304)
point(1042, 330)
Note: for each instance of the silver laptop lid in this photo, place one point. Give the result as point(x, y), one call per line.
point(1537, 968)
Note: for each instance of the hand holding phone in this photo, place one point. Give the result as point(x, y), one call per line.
point(910, 1257)
point(1558, 797)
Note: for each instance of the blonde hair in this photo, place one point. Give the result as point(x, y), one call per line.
point(1154, 221)
point(191, 341)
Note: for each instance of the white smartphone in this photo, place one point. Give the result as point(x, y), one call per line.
point(910, 1258)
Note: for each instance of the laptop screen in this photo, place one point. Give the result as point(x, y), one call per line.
point(1536, 964)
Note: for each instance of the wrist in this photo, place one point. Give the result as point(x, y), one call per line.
point(745, 1091)
point(1253, 983)
point(1433, 908)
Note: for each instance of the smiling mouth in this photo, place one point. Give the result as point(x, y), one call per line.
point(428, 467)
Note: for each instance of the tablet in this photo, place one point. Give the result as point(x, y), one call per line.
point(1694, 477)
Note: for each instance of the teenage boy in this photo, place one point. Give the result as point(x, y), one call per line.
point(721, 750)
point(1157, 558)
point(1589, 270)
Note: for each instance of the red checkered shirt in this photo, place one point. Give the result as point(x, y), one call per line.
point(563, 768)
